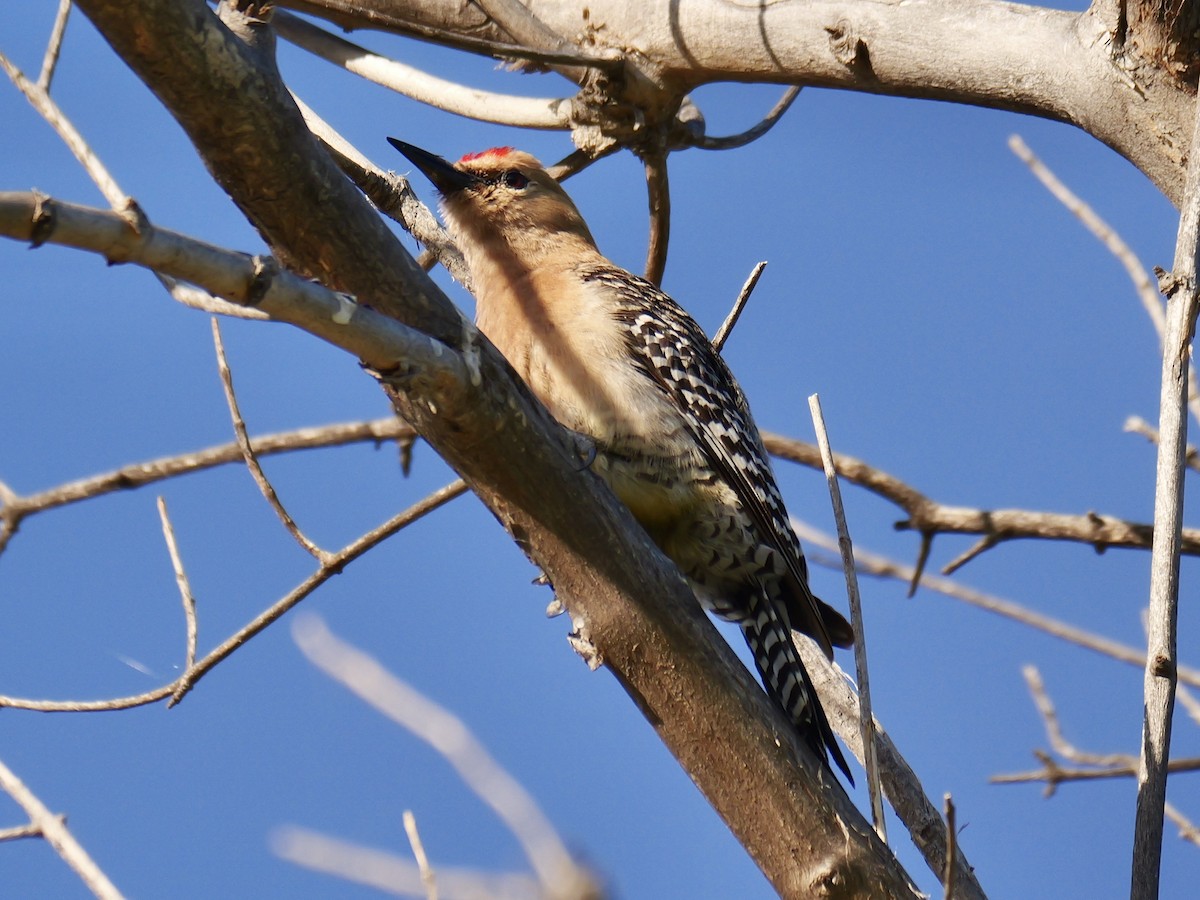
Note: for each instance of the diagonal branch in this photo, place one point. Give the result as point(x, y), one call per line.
point(54, 829)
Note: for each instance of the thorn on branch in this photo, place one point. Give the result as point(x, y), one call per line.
point(922, 559)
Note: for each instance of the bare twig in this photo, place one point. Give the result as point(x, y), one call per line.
point(578, 160)
point(1138, 425)
point(428, 878)
point(874, 564)
point(1159, 683)
point(178, 688)
point(1058, 742)
point(752, 134)
point(57, 835)
point(391, 194)
point(739, 306)
point(387, 872)
point(1054, 774)
point(556, 870)
point(866, 721)
point(243, 442)
point(20, 832)
point(40, 99)
point(928, 517)
point(1188, 701)
point(1143, 284)
point(57, 119)
point(16, 507)
point(1089, 766)
point(658, 190)
point(485, 106)
point(54, 46)
point(185, 588)
point(1187, 830)
point(903, 789)
point(951, 848)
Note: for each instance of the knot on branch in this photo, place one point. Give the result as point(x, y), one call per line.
point(1169, 284)
point(265, 270)
point(632, 107)
point(847, 47)
point(45, 219)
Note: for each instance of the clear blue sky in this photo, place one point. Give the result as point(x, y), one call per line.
point(963, 331)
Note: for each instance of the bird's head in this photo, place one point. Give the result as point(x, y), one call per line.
point(501, 196)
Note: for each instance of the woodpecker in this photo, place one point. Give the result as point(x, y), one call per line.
point(616, 360)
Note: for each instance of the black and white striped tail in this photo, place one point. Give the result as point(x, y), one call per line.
point(786, 679)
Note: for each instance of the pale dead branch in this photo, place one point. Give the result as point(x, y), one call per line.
point(866, 721)
point(54, 829)
point(556, 869)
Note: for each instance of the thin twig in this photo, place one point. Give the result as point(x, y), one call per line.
point(1138, 425)
point(391, 194)
point(928, 517)
point(484, 106)
point(1143, 284)
point(136, 475)
point(658, 192)
point(920, 816)
point(185, 587)
point(57, 119)
point(428, 878)
point(54, 45)
point(752, 134)
point(118, 200)
point(20, 832)
point(243, 441)
point(1093, 765)
point(873, 564)
point(1187, 830)
point(388, 873)
point(739, 305)
point(951, 848)
point(1159, 680)
point(866, 721)
point(1188, 701)
point(1058, 741)
point(446, 733)
point(57, 835)
point(178, 688)
point(1054, 774)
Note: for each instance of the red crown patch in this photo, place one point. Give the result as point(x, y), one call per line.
point(493, 151)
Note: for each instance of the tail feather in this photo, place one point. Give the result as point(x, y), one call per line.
point(786, 679)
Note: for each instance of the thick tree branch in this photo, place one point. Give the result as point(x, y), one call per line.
point(1072, 67)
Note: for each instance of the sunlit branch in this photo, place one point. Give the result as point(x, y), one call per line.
point(486, 106)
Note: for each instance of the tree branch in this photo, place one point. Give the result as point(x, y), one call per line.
point(57, 835)
point(1159, 687)
point(928, 517)
point(1060, 65)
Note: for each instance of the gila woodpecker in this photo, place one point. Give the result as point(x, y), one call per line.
point(615, 359)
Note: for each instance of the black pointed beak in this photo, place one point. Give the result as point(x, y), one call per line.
point(447, 179)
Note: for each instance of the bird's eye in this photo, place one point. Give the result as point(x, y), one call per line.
point(515, 179)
